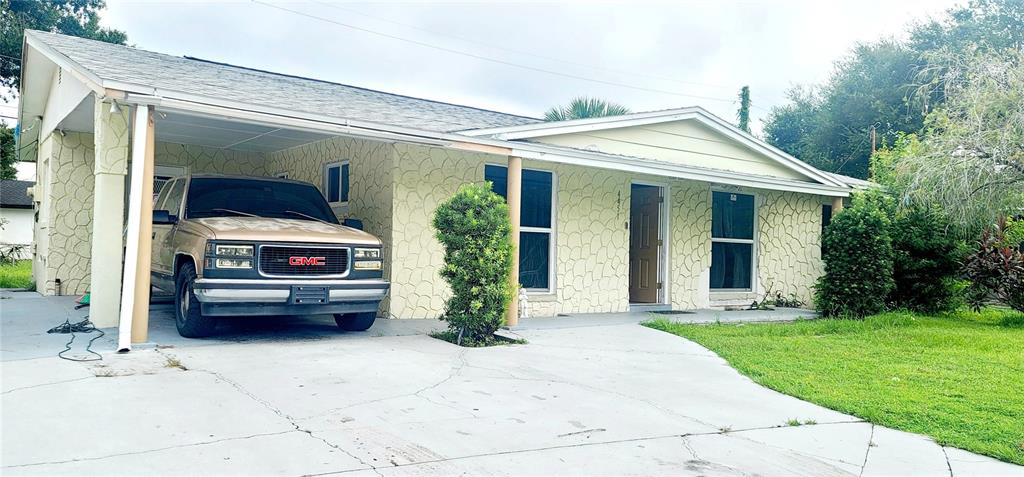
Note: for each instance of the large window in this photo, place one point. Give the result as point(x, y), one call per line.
point(336, 182)
point(732, 241)
point(536, 239)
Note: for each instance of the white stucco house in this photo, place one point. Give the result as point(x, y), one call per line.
point(16, 215)
point(672, 209)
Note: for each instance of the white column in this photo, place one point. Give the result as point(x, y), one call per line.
point(514, 199)
point(134, 322)
point(111, 152)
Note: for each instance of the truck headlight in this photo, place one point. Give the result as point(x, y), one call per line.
point(234, 250)
point(367, 265)
point(367, 253)
point(233, 263)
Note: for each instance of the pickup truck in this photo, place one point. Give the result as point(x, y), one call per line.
point(244, 246)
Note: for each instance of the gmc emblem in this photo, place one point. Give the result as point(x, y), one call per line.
point(307, 261)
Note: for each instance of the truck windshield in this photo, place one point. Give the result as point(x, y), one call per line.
point(219, 197)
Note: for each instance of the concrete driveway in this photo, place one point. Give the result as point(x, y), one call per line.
point(613, 399)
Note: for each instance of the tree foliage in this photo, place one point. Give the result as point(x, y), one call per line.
point(875, 86)
point(743, 113)
point(70, 17)
point(996, 270)
point(583, 107)
point(7, 153)
point(970, 162)
point(858, 256)
point(474, 229)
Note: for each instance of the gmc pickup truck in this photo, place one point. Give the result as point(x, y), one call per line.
point(243, 246)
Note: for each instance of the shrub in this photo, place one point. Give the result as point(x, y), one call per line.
point(926, 262)
point(996, 270)
point(858, 261)
point(474, 228)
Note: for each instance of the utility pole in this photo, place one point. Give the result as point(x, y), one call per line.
point(872, 140)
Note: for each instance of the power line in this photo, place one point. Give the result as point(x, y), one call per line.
point(521, 52)
point(493, 60)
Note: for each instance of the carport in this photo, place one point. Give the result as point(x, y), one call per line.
point(124, 133)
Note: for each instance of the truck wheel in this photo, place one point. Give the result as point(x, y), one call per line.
point(188, 314)
point(355, 321)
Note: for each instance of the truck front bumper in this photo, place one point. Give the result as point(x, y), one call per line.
point(237, 297)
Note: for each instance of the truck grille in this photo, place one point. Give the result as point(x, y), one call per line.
point(279, 260)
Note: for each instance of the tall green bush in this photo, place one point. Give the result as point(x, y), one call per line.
point(858, 261)
point(926, 262)
point(474, 228)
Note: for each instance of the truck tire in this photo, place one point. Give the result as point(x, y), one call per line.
point(355, 321)
point(188, 314)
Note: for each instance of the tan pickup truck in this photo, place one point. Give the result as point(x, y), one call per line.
point(243, 246)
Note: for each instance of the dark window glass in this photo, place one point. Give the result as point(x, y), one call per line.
point(732, 215)
point(333, 184)
point(534, 259)
point(826, 216)
point(264, 198)
point(534, 247)
point(498, 177)
point(344, 183)
point(730, 265)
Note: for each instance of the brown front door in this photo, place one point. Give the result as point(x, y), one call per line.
point(644, 243)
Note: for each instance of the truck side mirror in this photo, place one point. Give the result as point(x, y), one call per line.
point(354, 223)
point(164, 217)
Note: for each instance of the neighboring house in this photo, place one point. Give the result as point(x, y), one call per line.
point(675, 208)
point(17, 217)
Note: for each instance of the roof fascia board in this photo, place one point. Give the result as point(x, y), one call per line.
point(486, 145)
point(83, 74)
point(576, 125)
point(680, 172)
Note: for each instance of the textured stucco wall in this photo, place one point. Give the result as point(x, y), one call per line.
point(199, 160)
point(65, 218)
point(690, 244)
point(370, 179)
point(789, 245)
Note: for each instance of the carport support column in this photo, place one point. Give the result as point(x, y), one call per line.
point(514, 198)
point(837, 205)
point(111, 153)
point(134, 324)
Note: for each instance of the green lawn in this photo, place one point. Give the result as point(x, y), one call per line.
point(958, 378)
point(17, 275)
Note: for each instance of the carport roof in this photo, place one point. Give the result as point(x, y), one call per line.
point(122, 67)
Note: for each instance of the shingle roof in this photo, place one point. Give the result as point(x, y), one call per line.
point(13, 194)
point(262, 88)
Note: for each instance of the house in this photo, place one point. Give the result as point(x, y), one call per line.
point(16, 218)
point(664, 209)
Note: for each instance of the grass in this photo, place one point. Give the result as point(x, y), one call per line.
point(16, 275)
point(958, 377)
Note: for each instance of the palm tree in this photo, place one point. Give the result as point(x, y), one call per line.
point(583, 107)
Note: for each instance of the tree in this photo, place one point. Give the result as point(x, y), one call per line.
point(971, 159)
point(7, 170)
point(583, 107)
point(70, 17)
point(743, 114)
point(829, 126)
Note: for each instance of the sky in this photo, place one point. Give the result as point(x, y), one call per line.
point(524, 57)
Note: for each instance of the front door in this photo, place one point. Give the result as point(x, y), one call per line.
point(644, 243)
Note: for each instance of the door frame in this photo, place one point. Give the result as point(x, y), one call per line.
point(664, 295)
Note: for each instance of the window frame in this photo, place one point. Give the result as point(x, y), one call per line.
point(326, 182)
point(551, 231)
point(751, 241)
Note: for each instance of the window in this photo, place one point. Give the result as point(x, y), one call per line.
point(732, 241)
point(336, 182)
point(217, 197)
point(536, 238)
point(162, 174)
point(174, 195)
point(826, 216)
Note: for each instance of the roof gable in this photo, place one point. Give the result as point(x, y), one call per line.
point(689, 136)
